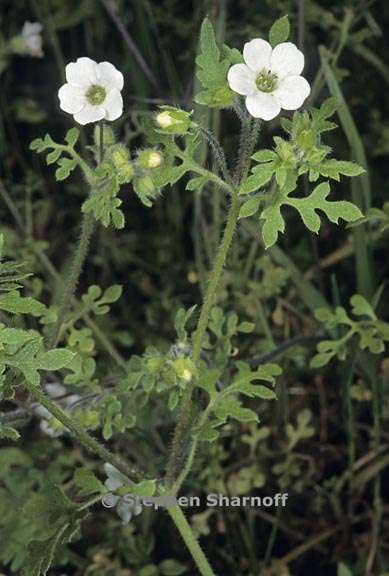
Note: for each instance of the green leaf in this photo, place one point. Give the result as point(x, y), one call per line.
point(72, 136)
point(230, 407)
point(264, 156)
point(279, 32)
point(261, 175)
point(212, 71)
point(250, 207)
point(15, 304)
point(66, 166)
point(15, 336)
point(307, 208)
point(329, 107)
point(145, 489)
point(335, 210)
point(53, 156)
point(8, 433)
point(361, 307)
point(333, 168)
point(54, 359)
point(40, 144)
point(87, 483)
point(171, 568)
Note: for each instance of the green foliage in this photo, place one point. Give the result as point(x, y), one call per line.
point(24, 352)
point(371, 332)
point(103, 202)
point(279, 32)
point(97, 302)
point(291, 468)
point(41, 519)
point(87, 483)
point(377, 217)
point(212, 67)
point(10, 273)
point(302, 154)
point(66, 165)
point(226, 403)
point(307, 208)
point(14, 303)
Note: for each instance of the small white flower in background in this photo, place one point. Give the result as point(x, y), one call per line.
point(126, 506)
point(32, 39)
point(270, 78)
point(92, 91)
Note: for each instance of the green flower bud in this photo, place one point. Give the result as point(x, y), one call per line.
point(173, 121)
point(184, 369)
point(150, 159)
point(120, 158)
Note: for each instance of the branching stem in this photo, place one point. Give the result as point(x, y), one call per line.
point(81, 434)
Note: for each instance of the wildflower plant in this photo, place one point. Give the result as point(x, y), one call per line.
point(203, 388)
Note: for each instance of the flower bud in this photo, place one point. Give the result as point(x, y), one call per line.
point(184, 369)
point(173, 121)
point(120, 158)
point(150, 159)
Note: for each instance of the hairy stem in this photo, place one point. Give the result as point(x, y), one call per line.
point(198, 338)
point(82, 435)
point(218, 154)
point(248, 140)
point(191, 542)
point(87, 227)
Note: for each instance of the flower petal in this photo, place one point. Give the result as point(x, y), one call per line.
point(263, 105)
point(292, 91)
point(125, 511)
point(256, 54)
point(110, 500)
point(89, 114)
point(286, 60)
point(113, 104)
point(108, 76)
point(71, 98)
point(241, 79)
point(82, 73)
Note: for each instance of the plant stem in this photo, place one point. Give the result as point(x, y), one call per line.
point(87, 227)
point(178, 439)
point(82, 435)
point(191, 542)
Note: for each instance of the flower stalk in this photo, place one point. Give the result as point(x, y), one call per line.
point(83, 437)
point(209, 300)
point(178, 517)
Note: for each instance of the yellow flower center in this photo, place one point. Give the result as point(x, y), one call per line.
point(96, 94)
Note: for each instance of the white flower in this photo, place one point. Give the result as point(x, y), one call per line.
point(92, 91)
point(270, 78)
point(126, 506)
point(32, 39)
